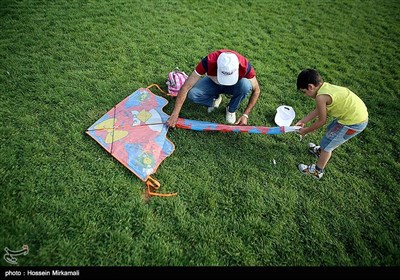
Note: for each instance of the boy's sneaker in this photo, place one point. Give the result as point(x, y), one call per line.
point(215, 105)
point(311, 170)
point(230, 117)
point(314, 149)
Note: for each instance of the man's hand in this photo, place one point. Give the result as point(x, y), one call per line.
point(171, 122)
point(242, 121)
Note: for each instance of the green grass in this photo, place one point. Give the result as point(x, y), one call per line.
point(63, 64)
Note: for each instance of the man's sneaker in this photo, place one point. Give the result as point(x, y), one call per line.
point(215, 105)
point(314, 149)
point(230, 117)
point(311, 170)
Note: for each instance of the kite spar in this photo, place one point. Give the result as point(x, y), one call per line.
point(210, 126)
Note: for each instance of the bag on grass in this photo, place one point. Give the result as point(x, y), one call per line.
point(175, 81)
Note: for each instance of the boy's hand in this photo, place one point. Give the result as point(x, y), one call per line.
point(301, 132)
point(301, 135)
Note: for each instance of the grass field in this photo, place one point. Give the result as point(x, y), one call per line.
point(63, 64)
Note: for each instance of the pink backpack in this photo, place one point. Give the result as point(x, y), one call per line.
point(175, 81)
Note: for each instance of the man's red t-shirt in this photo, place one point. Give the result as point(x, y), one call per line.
point(209, 65)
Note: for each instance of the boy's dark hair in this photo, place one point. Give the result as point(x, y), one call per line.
point(308, 76)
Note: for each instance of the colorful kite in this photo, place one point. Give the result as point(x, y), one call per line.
point(134, 132)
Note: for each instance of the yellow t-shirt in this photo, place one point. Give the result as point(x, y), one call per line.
point(346, 106)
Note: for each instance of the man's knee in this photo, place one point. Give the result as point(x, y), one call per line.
point(194, 94)
point(243, 87)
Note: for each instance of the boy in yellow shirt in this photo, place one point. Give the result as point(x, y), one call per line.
point(349, 111)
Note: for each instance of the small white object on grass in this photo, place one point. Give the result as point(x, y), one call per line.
point(274, 161)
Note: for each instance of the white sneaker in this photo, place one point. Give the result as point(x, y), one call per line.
point(310, 170)
point(314, 149)
point(215, 105)
point(230, 117)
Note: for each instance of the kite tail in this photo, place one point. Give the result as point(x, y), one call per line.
point(152, 183)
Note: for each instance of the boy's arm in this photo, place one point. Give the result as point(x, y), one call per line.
point(312, 115)
point(320, 111)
